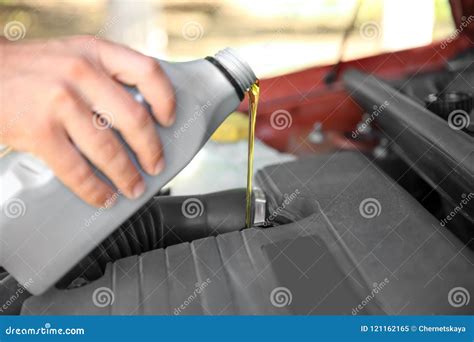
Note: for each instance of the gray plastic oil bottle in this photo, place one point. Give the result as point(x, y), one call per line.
point(45, 229)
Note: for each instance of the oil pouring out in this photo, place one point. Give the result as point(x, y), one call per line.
point(253, 93)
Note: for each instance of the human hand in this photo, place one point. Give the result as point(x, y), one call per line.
point(49, 91)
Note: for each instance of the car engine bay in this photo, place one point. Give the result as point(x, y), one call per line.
point(384, 229)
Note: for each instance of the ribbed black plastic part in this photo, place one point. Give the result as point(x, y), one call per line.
point(445, 103)
point(139, 234)
point(161, 223)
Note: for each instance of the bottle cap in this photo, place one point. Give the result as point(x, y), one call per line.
point(237, 67)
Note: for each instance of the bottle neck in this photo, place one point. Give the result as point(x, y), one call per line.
point(235, 69)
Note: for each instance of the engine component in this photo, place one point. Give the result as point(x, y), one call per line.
point(445, 103)
point(169, 220)
point(350, 247)
point(12, 295)
point(441, 153)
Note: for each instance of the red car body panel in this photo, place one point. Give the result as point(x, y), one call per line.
point(305, 96)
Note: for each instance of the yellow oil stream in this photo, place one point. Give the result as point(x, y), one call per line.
point(253, 94)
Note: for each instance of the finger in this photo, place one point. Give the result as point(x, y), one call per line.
point(134, 68)
point(101, 147)
point(74, 171)
point(116, 105)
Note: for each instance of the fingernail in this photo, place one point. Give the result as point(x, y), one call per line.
point(138, 189)
point(170, 120)
point(111, 199)
point(159, 166)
